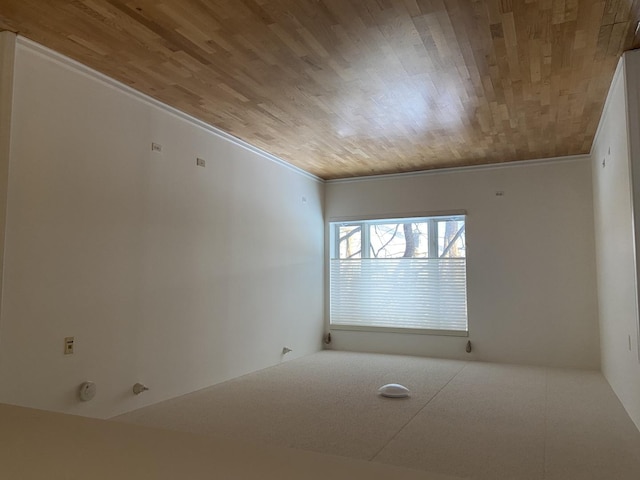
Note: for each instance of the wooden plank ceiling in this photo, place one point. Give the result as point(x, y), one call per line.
point(342, 88)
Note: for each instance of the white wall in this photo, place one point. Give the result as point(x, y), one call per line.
point(166, 273)
point(615, 239)
point(530, 262)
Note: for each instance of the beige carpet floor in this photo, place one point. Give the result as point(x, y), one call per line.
point(467, 420)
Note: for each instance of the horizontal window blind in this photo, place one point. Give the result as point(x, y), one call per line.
point(409, 293)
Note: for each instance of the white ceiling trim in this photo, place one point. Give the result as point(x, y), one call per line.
point(471, 168)
point(84, 70)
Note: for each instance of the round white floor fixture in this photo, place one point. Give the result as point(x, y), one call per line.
point(394, 390)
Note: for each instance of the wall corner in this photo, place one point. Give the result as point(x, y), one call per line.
point(7, 61)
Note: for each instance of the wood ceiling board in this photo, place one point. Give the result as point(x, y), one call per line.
point(344, 88)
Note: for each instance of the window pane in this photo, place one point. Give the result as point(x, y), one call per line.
point(399, 240)
point(451, 238)
point(350, 243)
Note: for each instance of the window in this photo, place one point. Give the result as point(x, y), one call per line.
point(399, 274)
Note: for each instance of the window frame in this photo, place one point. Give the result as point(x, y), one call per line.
point(333, 243)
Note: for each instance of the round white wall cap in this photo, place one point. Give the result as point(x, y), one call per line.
point(87, 391)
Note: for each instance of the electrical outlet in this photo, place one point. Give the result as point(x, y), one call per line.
point(68, 345)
